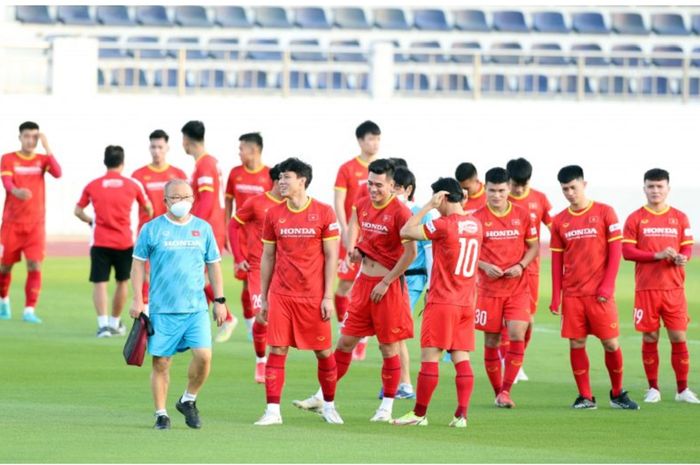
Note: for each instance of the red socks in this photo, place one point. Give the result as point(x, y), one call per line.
point(144, 291)
point(464, 379)
point(514, 360)
point(5, 279)
point(427, 382)
point(32, 288)
point(327, 377)
point(248, 312)
point(259, 339)
point(342, 302)
point(274, 378)
point(209, 292)
point(680, 360)
point(613, 362)
point(492, 362)
point(580, 366)
point(505, 342)
point(391, 375)
point(650, 359)
point(342, 361)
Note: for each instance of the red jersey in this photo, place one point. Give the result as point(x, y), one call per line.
point(153, 181)
point(112, 197)
point(244, 184)
point(583, 236)
point(252, 215)
point(352, 178)
point(474, 202)
point(652, 232)
point(456, 245)
point(539, 207)
point(379, 229)
point(505, 242)
point(27, 172)
point(207, 178)
point(298, 236)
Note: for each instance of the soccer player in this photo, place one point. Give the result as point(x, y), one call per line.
point(112, 197)
point(379, 300)
point(179, 247)
point(206, 184)
point(657, 237)
point(521, 194)
point(448, 318)
point(153, 177)
point(474, 189)
point(24, 215)
point(249, 179)
point(250, 217)
point(510, 245)
point(586, 251)
point(300, 255)
point(350, 184)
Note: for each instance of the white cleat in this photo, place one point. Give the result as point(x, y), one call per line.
point(458, 422)
point(331, 415)
point(687, 396)
point(226, 330)
point(269, 419)
point(312, 404)
point(381, 416)
point(652, 396)
point(521, 376)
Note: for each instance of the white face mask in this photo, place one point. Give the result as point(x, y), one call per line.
point(181, 208)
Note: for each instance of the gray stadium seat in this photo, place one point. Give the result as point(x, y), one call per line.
point(297, 80)
point(471, 20)
point(474, 47)
point(151, 53)
point(550, 60)
point(350, 18)
point(252, 80)
point(191, 53)
point(310, 55)
point(223, 54)
point(430, 20)
point(272, 17)
point(509, 21)
point(695, 23)
point(668, 24)
point(590, 61)
point(264, 55)
point(535, 84)
point(153, 15)
point(106, 50)
point(589, 22)
point(332, 80)
point(114, 15)
point(211, 78)
point(390, 18)
point(497, 83)
point(165, 78)
point(77, 15)
point(192, 16)
point(452, 83)
point(657, 85)
point(33, 14)
point(413, 81)
point(629, 24)
point(353, 57)
point(420, 57)
point(507, 59)
point(668, 62)
point(231, 16)
point(128, 77)
point(695, 62)
point(614, 85)
point(549, 21)
point(311, 18)
point(627, 61)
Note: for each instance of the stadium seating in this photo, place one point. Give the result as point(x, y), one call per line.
point(264, 50)
point(74, 15)
point(668, 24)
point(425, 57)
point(390, 18)
point(223, 54)
point(272, 17)
point(471, 20)
point(105, 51)
point(114, 15)
point(506, 59)
point(192, 16)
point(553, 60)
point(155, 15)
point(33, 14)
point(549, 21)
point(307, 55)
point(190, 53)
point(311, 18)
point(590, 60)
point(350, 18)
point(466, 46)
point(412, 81)
point(620, 60)
point(231, 16)
point(145, 53)
point(589, 23)
point(349, 57)
point(430, 20)
point(453, 83)
point(629, 24)
point(509, 21)
point(669, 62)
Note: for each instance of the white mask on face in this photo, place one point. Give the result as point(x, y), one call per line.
point(181, 208)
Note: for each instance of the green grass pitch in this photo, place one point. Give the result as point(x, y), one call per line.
point(68, 397)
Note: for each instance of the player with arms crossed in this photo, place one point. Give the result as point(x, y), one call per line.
point(658, 239)
point(586, 251)
point(448, 318)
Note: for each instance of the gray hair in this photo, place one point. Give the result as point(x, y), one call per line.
point(174, 182)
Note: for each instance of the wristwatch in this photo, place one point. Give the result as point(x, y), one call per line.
point(220, 300)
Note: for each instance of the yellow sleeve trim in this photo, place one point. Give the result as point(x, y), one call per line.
point(340, 188)
point(613, 239)
point(629, 241)
point(687, 242)
point(6, 173)
point(354, 207)
point(403, 241)
point(532, 239)
point(556, 250)
point(235, 217)
point(422, 229)
point(265, 241)
point(206, 188)
point(334, 238)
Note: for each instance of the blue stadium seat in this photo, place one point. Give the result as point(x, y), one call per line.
point(668, 62)
point(590, 60)
point(311, 18)
point(694, 87)
point(297, 80)
point(569, 85)
point(359, 81)
point(212, 78)
point(695, 60)
point(400, 57)
point(474, 47)
point(274, 54)
point(627, 61)
point(668, 24)
point(153, 15)
point(100, 78)
point(425, 57)
point(114, 15)
point(629, 24)
point(695, 24)
point(224, 54)
point(252, 80)
point(78, 15)
point(191, 53)
point(390, 18)
point(350, 18)
point(589, 22)
point(413, 81)
point(550, 60)
point(165, 78)
point(470, 20)
point(430, 20)
point(507, 59)
point(310, 55)
point(657, 85)
point(614, 85)
point(231, 16)
point(353, 57)
point(192, 16)
point(34, 14)
point(128, 77)
point(549, 21)
point(535, 84)
point(332, 80)
point(509, 21)
point(452, 83)
point(272, 17)
point(107, 51)
point(497, 83)
point(151, 53)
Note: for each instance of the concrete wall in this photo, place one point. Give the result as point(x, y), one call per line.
point(614, 142)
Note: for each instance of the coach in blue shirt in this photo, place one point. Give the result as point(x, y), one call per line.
point(178, 247)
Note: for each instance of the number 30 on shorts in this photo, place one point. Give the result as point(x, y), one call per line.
point(480, 317)
point(468, 252)
point(638, 315)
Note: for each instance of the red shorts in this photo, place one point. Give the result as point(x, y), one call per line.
point(493, 312)
point(652, 306)
point(533, 283)
point(345, 272)
point(296, 322)
point(390, 319)
point(447, 327)
point(254, 291)
point(584, 315)
point(18, 238)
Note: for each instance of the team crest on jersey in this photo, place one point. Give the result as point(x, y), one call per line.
point(565, 225)
point(239, 178)
point(673, 221)
point(533, 216)
point(532, 205)
point(386, 218)
point(359, 174)
point(195, 233)
point(488, 224)
point(515, 221)
point(364, 213)
point(593, 219)
point(147, 178)
point(467, 227)
point(282, 220)
point(644, 221)
point(313, 217)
